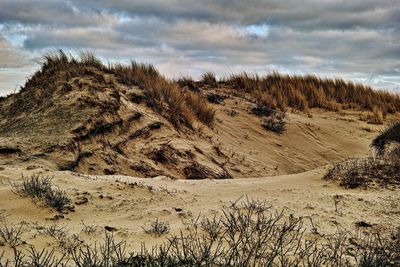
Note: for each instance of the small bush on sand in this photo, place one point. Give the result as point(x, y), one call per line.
point(389, 136)
point(11, 235)
point(57, 199)
point(260, 109)
point(158, 228)
point(381, 170)
point(34, 186)
point(275, 123)
point(39, 187)
point(216, 98)
point(365, 172)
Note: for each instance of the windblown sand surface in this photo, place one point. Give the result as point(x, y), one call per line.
point(128, 203)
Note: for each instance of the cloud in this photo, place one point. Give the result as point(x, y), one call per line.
point(11, 57)
point(357, 40)
point(52, 12)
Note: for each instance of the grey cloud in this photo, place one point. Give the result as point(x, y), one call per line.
point(49, 12)
point(11, 57)
point(356, 39)
point(318, 14)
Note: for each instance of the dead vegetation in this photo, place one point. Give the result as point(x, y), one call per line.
point(272, 119)
point(39, 188)
point(303, 92)
point(196, 171)
point(216, 98)
point(59, 70)
point(366, 172)
point(179, 107)
point(381, 170)
point(275, 122)
point(85, 116)
point(390, 135)
point(157, 228)
point(248, 233)
point(208, 78)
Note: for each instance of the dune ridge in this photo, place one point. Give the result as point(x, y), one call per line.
point(78, 114)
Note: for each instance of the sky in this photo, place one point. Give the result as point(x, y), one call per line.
point(357, 40)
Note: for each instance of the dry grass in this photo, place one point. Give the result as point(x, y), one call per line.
point(39, 187)
point(381, 170)
point(165, 96)
point(366, 172)
point(180, 107)
point(374, 117)
point(188, 83)
point(303, 92)
point(209, 78)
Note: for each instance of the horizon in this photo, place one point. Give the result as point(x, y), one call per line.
point(357, 41)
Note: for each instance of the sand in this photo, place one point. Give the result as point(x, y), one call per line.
point(129, 204)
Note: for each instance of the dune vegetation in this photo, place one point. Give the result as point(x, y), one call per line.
point(382, 169)
point(182, 106)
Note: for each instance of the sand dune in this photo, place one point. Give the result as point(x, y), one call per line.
point(125, 163)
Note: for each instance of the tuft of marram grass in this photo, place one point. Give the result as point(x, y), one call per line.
point(164, 95)
point(209, 78)
point(39, 187)
point(310, 91)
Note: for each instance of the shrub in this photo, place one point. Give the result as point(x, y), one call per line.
point(158, 228)
point(34, 186)
point(275, 123)
point(260, 109)
point(216, 98)
point(57, 199)
point(382, 170)
point(390, 135)
point(353, 173)
point(39, 187)
point(196, 171)
point(11, 235)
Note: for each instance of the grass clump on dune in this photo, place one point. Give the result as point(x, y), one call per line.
point(40, 188)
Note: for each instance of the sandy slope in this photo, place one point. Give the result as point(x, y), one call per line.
point(132, 139)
